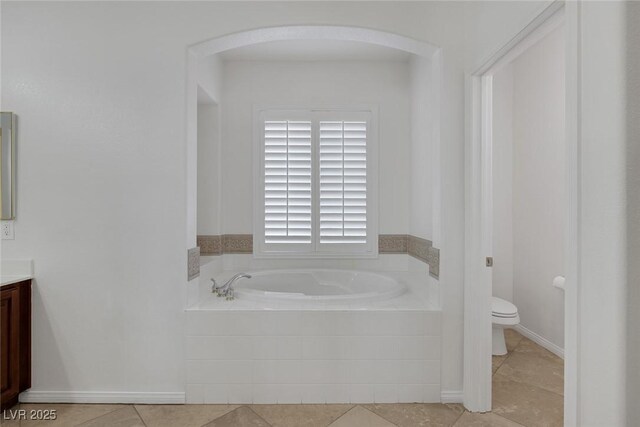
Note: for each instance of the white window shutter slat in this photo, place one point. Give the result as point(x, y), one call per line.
point(314, 166)
point(343, 181)
point(287, 181)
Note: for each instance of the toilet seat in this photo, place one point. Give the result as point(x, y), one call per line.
point(503, 308)
point(503, 314)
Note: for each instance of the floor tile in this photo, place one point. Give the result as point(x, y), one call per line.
point(9, 417)
point(361, 417)
point(418, 414)
point(526, 404)
point(488, 419)
point(67, 414)
point(125, 417)
point(528, 346)
point(512, 338)
point(241, 417)
point(300, 415)
point(527, 388)
point(9, 422)
point(182, 415)
point(531, 368)
point(496, 361)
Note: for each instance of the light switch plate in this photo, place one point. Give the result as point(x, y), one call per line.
point(6, 230)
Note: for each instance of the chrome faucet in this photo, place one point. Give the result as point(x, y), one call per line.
point(226, 290)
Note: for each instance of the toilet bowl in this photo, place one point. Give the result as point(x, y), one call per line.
point(503, 313)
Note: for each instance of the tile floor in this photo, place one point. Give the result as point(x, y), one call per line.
point(527, 391)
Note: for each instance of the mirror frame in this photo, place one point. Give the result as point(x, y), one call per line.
point(7, 166)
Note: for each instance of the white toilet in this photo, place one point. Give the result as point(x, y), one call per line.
point(503, 314)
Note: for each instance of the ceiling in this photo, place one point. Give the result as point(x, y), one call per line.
point(314, 50)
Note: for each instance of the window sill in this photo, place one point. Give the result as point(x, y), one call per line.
point(290, 255)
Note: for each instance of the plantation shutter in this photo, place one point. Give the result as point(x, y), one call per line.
point(287, 182)
point(343, 182)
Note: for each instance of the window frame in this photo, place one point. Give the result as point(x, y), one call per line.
point(315, 249)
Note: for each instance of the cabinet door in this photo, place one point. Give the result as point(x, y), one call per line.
point(9, 343)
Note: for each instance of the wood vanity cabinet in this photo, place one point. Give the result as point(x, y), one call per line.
point(15, 341)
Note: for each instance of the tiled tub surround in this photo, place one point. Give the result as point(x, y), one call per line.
point(527, 392)
point(272, 352)
point(421, 249)
point(193, 263)
point(226, 244)
point(392, 243)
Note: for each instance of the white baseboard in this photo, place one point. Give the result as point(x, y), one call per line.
point(540, 341)
point(102, 397)
point(451, 396)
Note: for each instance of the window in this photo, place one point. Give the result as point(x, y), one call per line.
point(287, 182)
point(316, 186)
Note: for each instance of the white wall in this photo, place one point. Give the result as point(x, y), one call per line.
point(209, 74)
point(502, 170)
point(102, 168)
point(421, 153)
point(603, 272)
point(529, 185)
point(208, 169)
point(633, 211)
point(310, 84)
point(539, 202)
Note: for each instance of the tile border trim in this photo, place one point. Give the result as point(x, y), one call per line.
point(419, 248)
point(237, 243)
point(209, 245)
point(392, 243)
point(193, 263)
point(423, 250)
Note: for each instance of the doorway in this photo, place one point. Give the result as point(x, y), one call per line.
point(508, 201)
point(527, 231)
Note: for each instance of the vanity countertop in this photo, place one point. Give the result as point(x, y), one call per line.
point(15, 270)
point(9, 280)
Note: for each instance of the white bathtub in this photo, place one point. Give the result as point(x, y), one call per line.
point(315, 336)
point(318, 285)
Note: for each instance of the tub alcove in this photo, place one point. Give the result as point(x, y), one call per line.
point(348, 312)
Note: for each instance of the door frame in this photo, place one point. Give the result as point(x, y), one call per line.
point(478, 212)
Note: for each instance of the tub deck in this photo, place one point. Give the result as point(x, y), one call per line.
point(245, 351)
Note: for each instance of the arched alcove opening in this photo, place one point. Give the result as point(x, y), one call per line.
point(204, 81)
point(395, 76)
point(204, 62)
